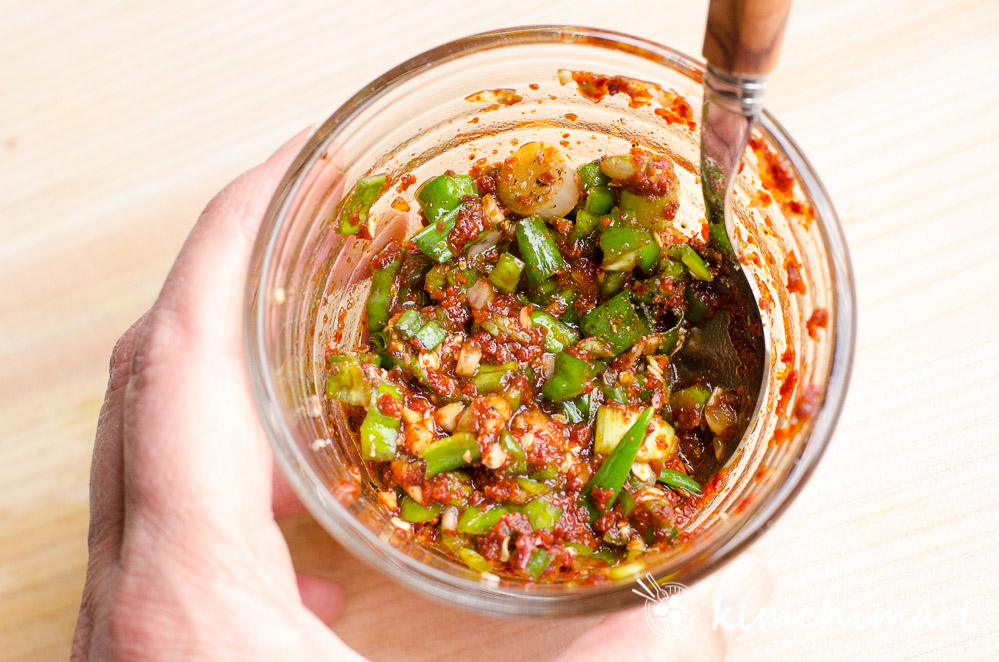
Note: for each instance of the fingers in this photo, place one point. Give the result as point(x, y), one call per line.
point(321, 596)
point(195, 455)
point(743, 587)
point(106, 489)
point(284, 501)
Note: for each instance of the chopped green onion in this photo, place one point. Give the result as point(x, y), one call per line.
point(679, 480)
point(411, 511)
point(430, 335)
point(617, 465)
point(459, 449)
point(506, 274)
point(409, 323)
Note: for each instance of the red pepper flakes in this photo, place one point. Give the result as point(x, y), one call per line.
point(775, 175)
point(818, 320)
point(793, 268)
point(405, 182)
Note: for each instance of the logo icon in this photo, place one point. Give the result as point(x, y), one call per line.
point(670, 608)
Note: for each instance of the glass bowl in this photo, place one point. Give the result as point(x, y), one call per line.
point(307, 285)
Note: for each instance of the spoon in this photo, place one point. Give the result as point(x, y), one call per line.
point(741, 45)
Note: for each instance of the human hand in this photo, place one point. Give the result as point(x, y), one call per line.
point(186, 559)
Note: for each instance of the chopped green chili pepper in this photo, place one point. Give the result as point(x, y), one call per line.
point(673, 269)
point(696, 308)
point(544, 474)
point(459, 449)
point(599, 200)
point(489, 378)
point(578, 548)
point(616, 467)
point(627, 502)
point(530, 486)
point(616, 322)
point(430, 335)
point(543, 291)
point(652, 212)
point(590, 175)
point(379, 430)
point(694, 262)
point(569, 378)
point(346, 382)
point(538, 250)
point(442, 195)
point(380, 296)
point(354, 215)
point(679, 480)
point(432, 239)
point(479, 521)
point(474, 560)
point(606, 555)
point(539, 562)
point(612, 282)
point(720, 235)
point(411, 511)
point(624, 248)
point(557, 335)
point(506, 273)
point(541, 513)
point(436, 279)
point(518, 460)
point(585, 224)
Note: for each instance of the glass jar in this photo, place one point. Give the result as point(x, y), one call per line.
point(307, 286)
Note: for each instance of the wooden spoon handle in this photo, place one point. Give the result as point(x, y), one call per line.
point(744, 36)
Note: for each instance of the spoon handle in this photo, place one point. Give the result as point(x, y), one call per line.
point(744, 36)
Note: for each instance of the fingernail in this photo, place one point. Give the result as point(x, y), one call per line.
point(296, 140)
point(742, 590)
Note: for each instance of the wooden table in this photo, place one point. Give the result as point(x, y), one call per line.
point(119, 120)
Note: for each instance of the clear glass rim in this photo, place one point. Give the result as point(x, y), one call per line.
point(466, 592)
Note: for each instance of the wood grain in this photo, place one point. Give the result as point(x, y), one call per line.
point(119, 120)
point(745, 36)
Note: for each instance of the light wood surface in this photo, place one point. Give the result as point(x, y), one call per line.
point(118, 120)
